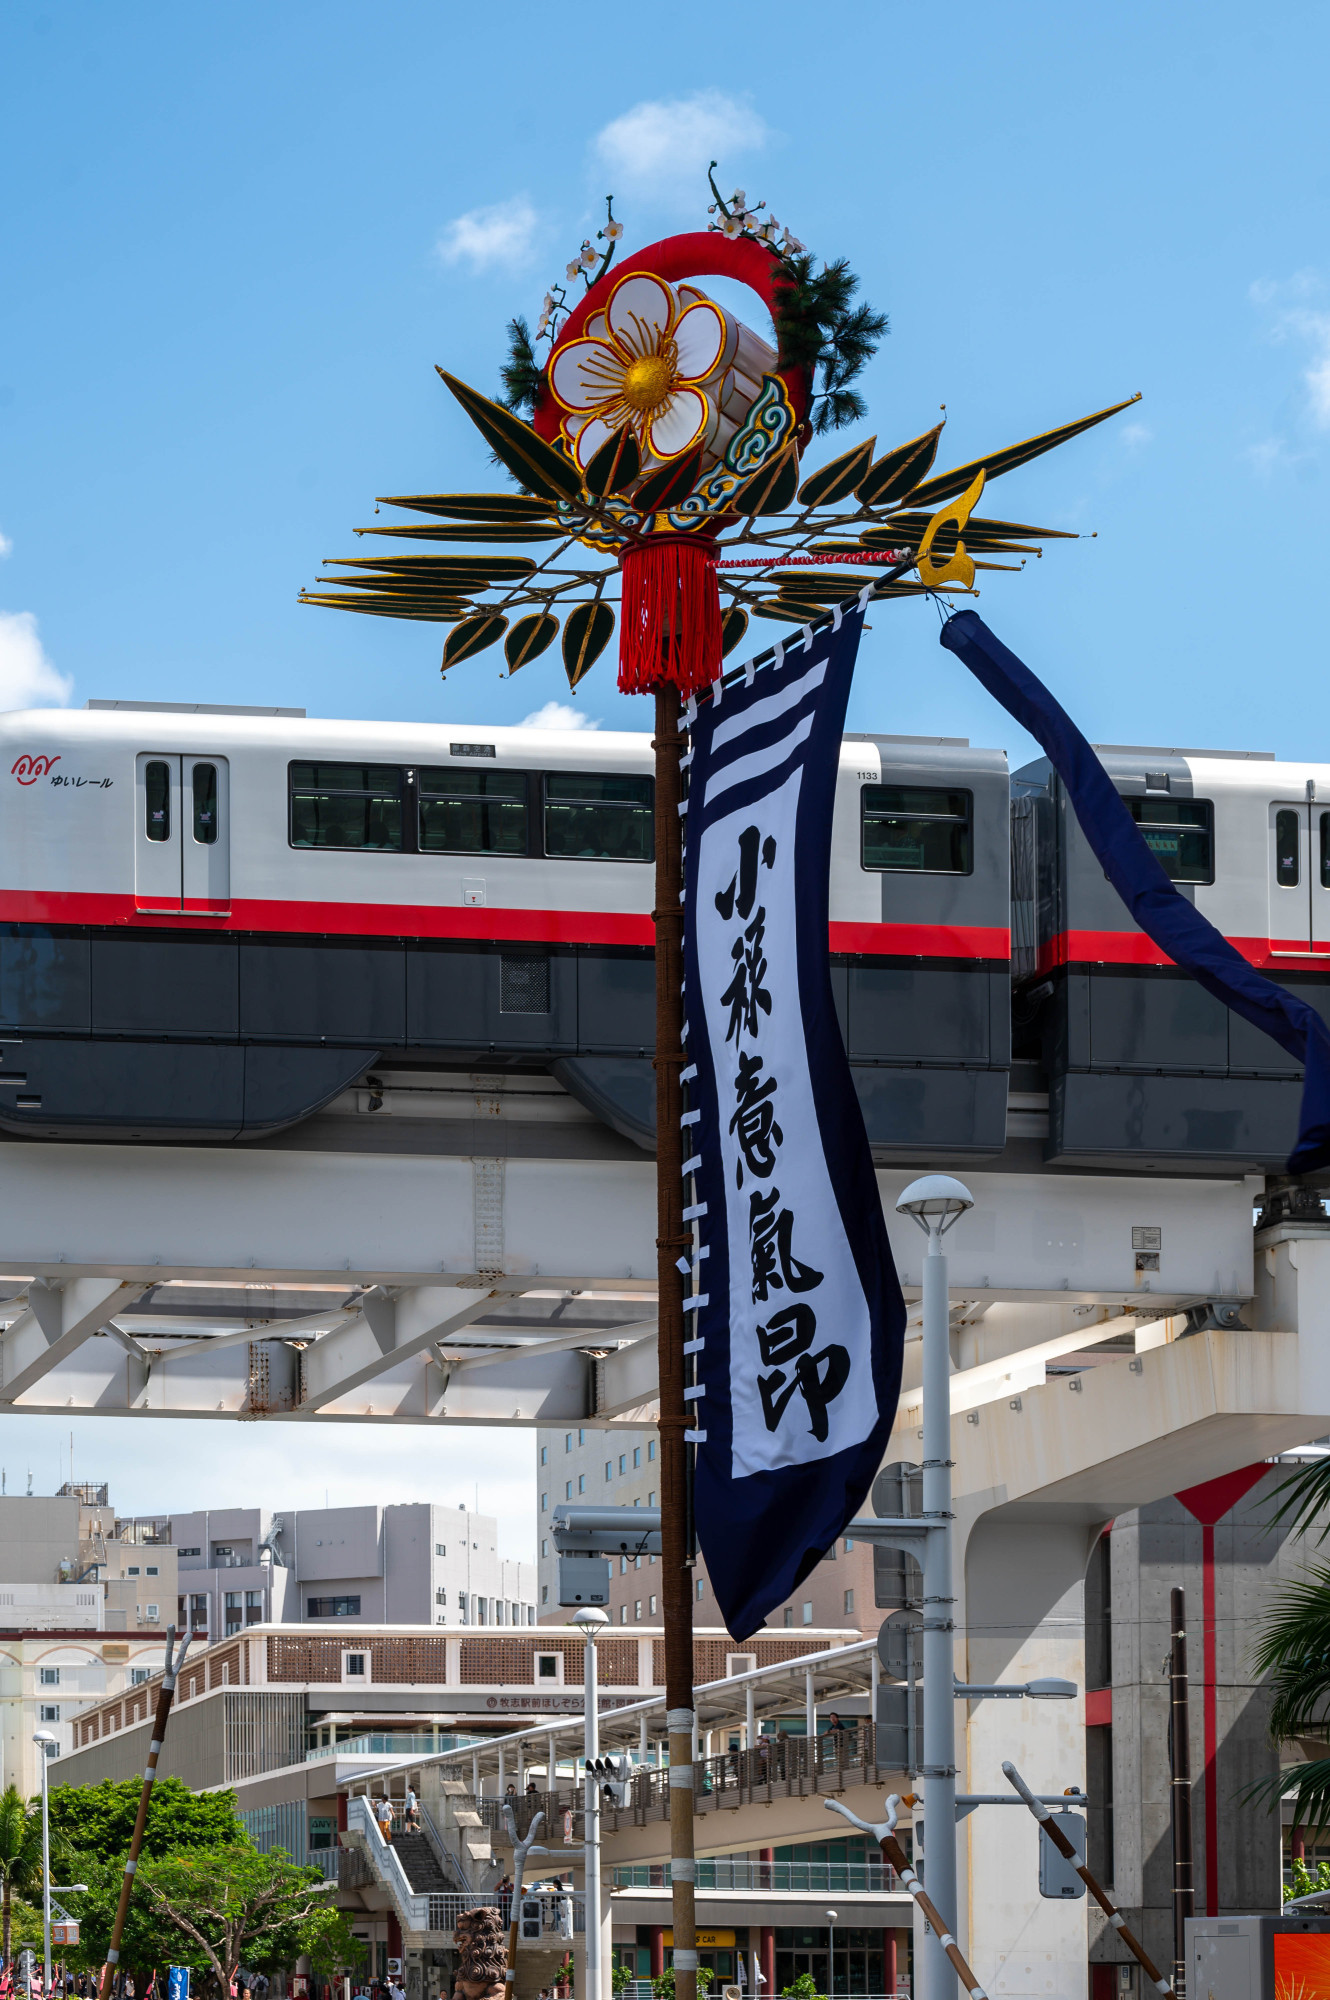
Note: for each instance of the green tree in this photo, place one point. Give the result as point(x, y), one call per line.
point(98, 1820)
point(805, 1987)
point(20, 1857)
point(663, 1985)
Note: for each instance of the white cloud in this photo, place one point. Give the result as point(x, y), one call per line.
point(6, 546)
point(1135, 437)
point(27, 678)
point(1292, 319)
point(558, 715)
point(665, 145)
point(501, 235)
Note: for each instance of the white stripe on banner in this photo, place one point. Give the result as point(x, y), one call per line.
point(758, 713)
point(791, 1266)
point(758, 763)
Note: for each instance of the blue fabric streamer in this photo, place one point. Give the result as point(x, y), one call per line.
point(1174, 924)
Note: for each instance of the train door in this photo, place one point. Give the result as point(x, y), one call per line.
point(1291, 878)
point(182, 834)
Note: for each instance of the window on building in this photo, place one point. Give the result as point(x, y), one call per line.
point(581, 1482)
point(480, 1605)
point(49, 1676)
point(132, 1570)
point(253, 1607)
point(808, 1614)
point(568, 1489)
point(544, 1593)
point(637, 1607)
point(917, 829)
point(623, 1614)
point(198, 1612)
point(461, 1606)
point(599, 816)
point(849, 1602)
point(652, 1602)
point(50, 1711)
point(637, 1456)
point(699, 1590)
point(581, 1437)
point(651, 1499)
point(322, 1832)
point(651, 1449)
point(544, 1547)
point(544, 1503)
point(330, 1607)
point(51, 1749)
point(152, 1570)
point(353, 1666)
point(623, 1565)
point(1180, 835)
point(547, 1666)
point(567, 1440)
point(189, 1552)
point(152, 1612)
point(472, 812)
point(441, 1548)
point(789, 1615)
point(848, 1544)
point(544, 1454)
point(137, 1676)
point(623, 1463)
point(347, 805)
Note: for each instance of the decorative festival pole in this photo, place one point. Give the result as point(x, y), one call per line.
point(673, 1241)
point(658, 436)
point(1179, 1772)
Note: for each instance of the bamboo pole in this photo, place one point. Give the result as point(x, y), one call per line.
point(165, 1697)
point(1064, 1847)
point(673, 1241)
point(884, 1832)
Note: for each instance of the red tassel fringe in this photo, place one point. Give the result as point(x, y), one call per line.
point(669, 626)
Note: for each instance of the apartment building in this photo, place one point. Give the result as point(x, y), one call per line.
point(411, 1564)
point(49, 1677)
point(601, 1468)
point(59, 1551)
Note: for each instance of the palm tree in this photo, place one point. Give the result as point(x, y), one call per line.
point(20, 1855)
point(1293, 1648)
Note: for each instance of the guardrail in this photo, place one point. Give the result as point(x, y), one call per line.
point(776, 1767)
point(817, 1878)
point(434, 1913)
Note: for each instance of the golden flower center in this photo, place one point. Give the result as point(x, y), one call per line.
point(648, 381)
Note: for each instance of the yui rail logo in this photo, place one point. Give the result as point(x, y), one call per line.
point(28, 769)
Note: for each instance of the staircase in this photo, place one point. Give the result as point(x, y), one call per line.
point(421, 1865)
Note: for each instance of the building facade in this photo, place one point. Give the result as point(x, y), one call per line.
point(600, 1468)
point(49, 1677)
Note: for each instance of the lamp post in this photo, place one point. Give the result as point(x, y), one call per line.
point(591, 1621)
point(41, 1739)
point(831, 1955)
point(935, 1202)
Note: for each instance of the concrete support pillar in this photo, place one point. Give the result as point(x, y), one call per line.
point(1024, 1619)
point(657, 1950)
point(889, 1962)
point(768, 1953)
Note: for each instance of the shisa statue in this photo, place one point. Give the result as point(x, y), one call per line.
point(484, 1956)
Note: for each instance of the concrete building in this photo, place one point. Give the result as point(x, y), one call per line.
point(73, 1539)
point(49, 1677)
point(411, 1564)
point(601, 1468)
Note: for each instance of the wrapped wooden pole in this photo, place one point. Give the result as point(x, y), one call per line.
point(673, 1241)
point(884, 1832)
point(165, 1697)
point(1179, 1773)
point(1064, 1847)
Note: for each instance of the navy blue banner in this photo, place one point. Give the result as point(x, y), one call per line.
point(799, 1322)
point(1175, 925)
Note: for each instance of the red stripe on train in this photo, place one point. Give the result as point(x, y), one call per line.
point(1272, 955)
point(484, 923)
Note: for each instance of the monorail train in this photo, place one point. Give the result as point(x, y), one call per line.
point(215, 922)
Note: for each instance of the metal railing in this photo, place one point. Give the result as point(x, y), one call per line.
point(436, 1911)
point(846, 1878)
point(392, 1743)
point(776, 1767)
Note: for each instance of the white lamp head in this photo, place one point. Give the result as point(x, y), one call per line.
point(45, 1736)
point(935, 1201)
point(591, 1619)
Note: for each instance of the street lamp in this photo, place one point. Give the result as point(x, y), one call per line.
point(42, 1738)
point(935, 1202)
point(831, 1955)
point(591, 1621)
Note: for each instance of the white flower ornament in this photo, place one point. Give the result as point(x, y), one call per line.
point(641, 363)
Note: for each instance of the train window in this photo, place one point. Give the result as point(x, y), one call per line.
point(1180, 833)
point(601, 816)
point(1325, 850)
point(205, 804)
point(1286, 849)
point(472, 812)
point(916, 828)
point(347, 805)
point(157, 799)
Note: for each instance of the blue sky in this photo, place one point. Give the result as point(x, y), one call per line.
point(236, 241)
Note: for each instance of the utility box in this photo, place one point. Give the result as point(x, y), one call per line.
point(1257, 1958)
point(1057, 1875)
point(584, 1580)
